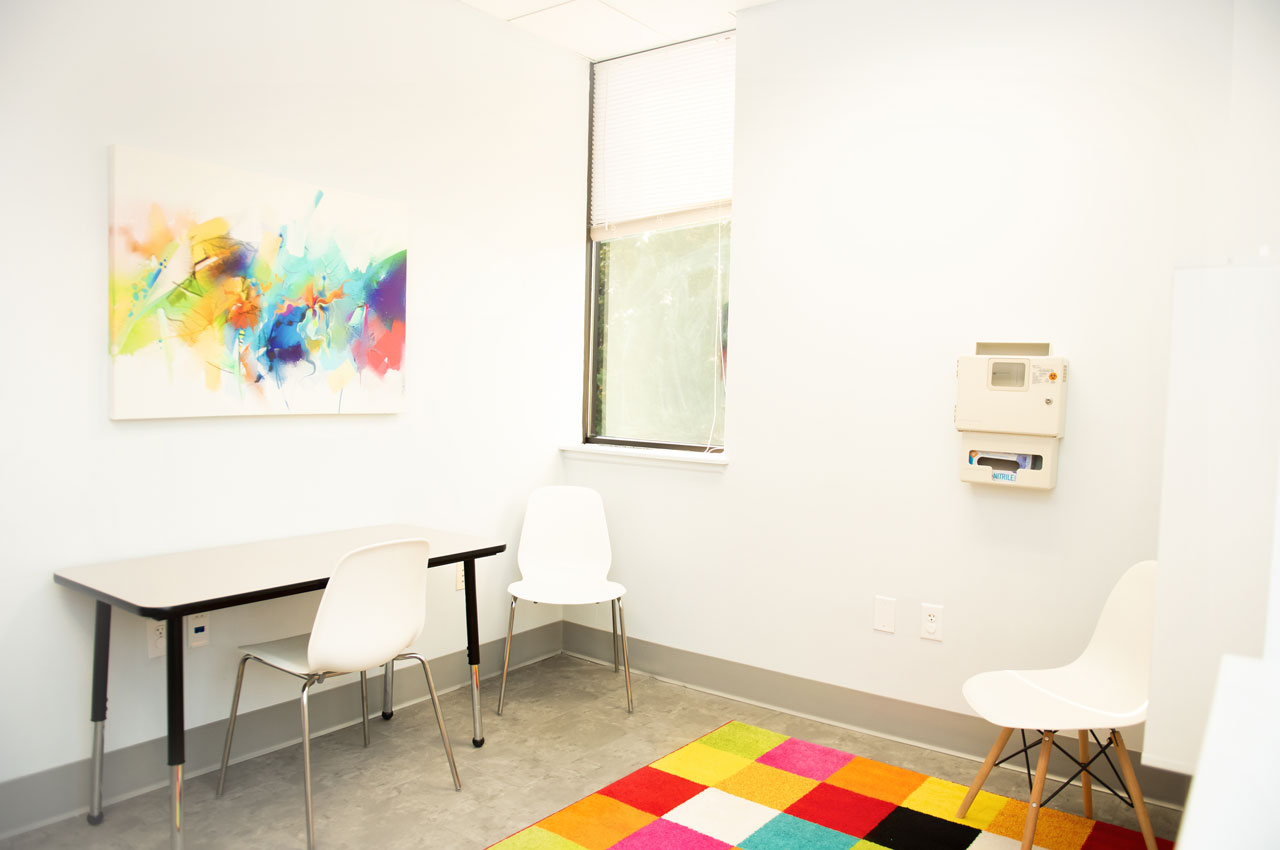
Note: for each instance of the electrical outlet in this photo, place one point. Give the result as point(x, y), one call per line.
point(155, 638)
point(931, 622)
point(460, 579)
point(198, 630)
point(884, 614)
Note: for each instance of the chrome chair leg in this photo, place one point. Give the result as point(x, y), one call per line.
point(626, 660)
point(388, 689)
point(435, 704)
point(231, 724)
point(306, 762)
point(364, 704)
point(613, 609)
point(506, 656)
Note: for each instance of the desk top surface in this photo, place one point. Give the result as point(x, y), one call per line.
point(207, 579)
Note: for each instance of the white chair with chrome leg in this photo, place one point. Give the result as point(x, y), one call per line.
point(1105, 688)
point(564, 559)
point(373, 609)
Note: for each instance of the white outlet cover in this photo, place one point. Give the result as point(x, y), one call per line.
point(931, 622)
point(198, 630)
point(155, 639)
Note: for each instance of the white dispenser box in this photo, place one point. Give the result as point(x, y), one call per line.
point(1011, 411)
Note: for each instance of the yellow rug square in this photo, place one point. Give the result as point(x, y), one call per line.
point(1055, 830)
point(536, 838)
point(596, 822)
point(872, 778)
point(768, 786)
point(702, 764)
point(941, 799)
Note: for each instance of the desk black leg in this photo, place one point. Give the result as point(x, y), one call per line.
point(98, 706)
point(177, 727)
point(473, 648)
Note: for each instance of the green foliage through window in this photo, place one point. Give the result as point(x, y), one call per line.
point(661, 336)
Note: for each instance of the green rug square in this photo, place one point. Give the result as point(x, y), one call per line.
point(740, 739)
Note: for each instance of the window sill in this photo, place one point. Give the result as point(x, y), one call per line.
point(706, 461)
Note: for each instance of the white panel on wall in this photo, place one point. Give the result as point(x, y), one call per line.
point(1217, 519)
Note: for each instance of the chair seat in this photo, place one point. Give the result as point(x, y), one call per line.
point(575, 592)
point(1036, 699)
point(289, 654)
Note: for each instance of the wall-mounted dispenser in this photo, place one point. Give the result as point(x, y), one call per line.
point(1011, 411)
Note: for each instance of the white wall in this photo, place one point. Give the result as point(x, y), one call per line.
point(477, 128)
point(912, 177)
point(1271, 650)
point(1219, 591)
point(1217, 522)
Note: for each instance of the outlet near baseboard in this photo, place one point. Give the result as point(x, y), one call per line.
point(931, 622)
point(155, 638)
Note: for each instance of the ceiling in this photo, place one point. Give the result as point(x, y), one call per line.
point(602, 29)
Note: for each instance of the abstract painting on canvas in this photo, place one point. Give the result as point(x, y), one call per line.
point(233, 293)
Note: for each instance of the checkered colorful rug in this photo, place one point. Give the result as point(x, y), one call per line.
point(749, 788)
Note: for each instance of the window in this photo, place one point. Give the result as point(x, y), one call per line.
point(660, 219)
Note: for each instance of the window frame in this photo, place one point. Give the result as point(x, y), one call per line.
point(590, 388)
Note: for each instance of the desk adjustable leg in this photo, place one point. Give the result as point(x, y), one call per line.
point(473, 649)
point(98, 706)
point(177, 727)
point(388, 689)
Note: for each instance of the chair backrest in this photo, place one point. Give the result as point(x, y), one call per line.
point(564, 537)
point(1120, 648)
point(373, 607)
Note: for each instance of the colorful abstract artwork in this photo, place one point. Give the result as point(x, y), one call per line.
point(238, 294)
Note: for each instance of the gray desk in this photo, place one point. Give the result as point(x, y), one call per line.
point(169, 587)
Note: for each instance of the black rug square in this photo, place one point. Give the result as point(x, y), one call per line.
point(907, 829)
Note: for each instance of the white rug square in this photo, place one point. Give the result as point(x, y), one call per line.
point(722, 816)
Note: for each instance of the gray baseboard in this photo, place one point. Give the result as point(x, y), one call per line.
point(908, 722)
point(37, 799)
point(31, 801)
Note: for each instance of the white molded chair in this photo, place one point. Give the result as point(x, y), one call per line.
point(373, 609)
point(564, 559)
point(1105, 688)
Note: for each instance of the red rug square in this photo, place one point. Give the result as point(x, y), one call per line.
point(651, 790)
point(841, 810)
point(1108, 836)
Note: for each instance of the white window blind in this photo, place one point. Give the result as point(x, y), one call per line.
point(662, 137)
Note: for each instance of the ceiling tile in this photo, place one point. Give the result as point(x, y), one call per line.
point(508, 9)
point(591, 29)
point(679, 19)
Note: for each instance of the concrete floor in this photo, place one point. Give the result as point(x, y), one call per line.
point(565, 733)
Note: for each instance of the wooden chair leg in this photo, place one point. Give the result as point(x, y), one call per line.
point(1037, 791)
point(1131, 779)
point(996, 749)
point(1085, 784)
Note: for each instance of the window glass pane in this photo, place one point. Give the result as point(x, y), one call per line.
point(662, 305)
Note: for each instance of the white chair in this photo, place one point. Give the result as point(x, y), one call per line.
point(564, 559)
point(373, 609)
point(1105, 688)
